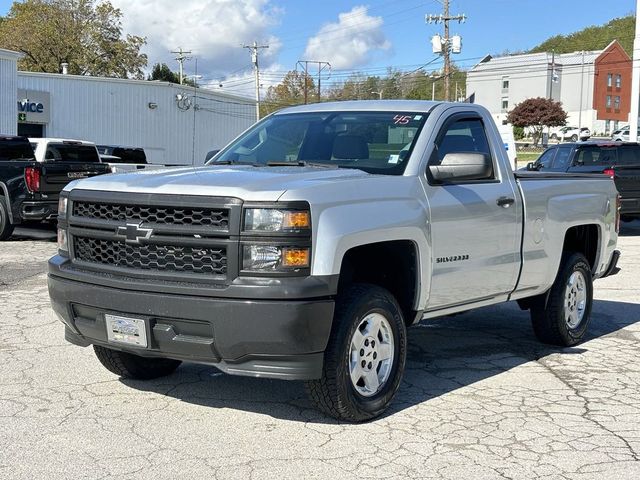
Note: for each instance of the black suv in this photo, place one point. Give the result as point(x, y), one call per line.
point(619, 160)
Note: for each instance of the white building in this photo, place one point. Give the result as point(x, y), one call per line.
point(175, 124)
point(593, 87)
point(8, 87)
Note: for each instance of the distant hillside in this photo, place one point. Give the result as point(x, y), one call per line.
point(593, 38)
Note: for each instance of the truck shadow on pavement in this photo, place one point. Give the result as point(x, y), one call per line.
point(34, 232)
point(444, 355)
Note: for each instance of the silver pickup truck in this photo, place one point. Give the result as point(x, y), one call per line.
point(307, 246)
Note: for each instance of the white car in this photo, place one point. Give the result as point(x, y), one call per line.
point(572, 134)
point(622, 135)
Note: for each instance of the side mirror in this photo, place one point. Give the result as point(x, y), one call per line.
point(531, 166)
point(463, 166)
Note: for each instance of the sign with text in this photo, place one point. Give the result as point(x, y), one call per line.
point(33, 106)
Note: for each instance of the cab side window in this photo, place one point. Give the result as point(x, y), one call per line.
point(561, 160)
point(463, 136)
point(544, 160)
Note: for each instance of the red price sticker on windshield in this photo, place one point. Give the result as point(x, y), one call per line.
point(401, 119)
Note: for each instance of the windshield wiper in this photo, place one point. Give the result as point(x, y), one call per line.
point(299, 163)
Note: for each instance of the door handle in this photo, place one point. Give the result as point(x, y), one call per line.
point(505, 202)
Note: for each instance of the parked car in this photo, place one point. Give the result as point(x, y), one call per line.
point(313, 240)
point(619, 160)
point(574, 134)
point(622, 135)
point(123, 159)
point(34, 171)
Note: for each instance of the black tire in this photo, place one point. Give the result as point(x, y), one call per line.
point(334, 393)
point(549, 319)
point(553, 136)
point(6, 228)
point(128, 365)
point(574, 138)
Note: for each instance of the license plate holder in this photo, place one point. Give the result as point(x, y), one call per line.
point(126, 330)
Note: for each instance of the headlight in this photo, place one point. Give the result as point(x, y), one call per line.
point(63, 245)
point(270, 258)
point(62, 207)
point(276, 220)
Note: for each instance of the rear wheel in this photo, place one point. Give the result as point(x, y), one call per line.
point(6, 228)
point(365, 357)
point(564, 317)
point(128, 365)
point(574, 138)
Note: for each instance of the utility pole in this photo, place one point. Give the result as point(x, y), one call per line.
point(181, 57)
point(581, 93)
point(553, 74)
point(255, 48)
point(446, 45)
point(321, 67)
point(635, 80)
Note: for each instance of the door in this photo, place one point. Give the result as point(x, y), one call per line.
point(475, 225)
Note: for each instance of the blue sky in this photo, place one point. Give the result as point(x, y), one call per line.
point(352, 35)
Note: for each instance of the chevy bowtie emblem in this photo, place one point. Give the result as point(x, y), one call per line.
point(133, 233)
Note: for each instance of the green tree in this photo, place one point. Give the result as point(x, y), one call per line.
point(289, 92)
point(536, 114)
point(83, 33)
point(593, 38)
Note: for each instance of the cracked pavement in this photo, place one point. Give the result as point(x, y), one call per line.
point(481, 399)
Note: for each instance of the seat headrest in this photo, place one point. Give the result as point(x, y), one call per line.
point(350, 147)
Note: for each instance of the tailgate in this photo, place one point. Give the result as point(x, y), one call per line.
point(55, 175)
point(627, 180)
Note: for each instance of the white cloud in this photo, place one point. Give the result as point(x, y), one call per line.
point(213, 30)
point(351, 42)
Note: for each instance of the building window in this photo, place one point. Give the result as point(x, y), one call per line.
point(505, 104)
point(609, 80)
point(616, 102)
point(607, 126)
point(618, 81)
point(505, 83)
point(608, 101)
point(616, 124)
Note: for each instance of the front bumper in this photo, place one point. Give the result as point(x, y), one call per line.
point(274, 338)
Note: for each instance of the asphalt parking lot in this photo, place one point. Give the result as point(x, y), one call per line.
point(481, 399)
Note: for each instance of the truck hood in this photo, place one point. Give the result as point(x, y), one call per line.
point(241, 181)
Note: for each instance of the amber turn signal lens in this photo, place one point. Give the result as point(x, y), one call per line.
point(296, 220)
point(295, 257)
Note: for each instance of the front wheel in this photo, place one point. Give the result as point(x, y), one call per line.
point(365, 357)
point(574, 138)
point(564, 317)
point(128, 365)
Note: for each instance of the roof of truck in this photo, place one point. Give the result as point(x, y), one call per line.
point(368, 105)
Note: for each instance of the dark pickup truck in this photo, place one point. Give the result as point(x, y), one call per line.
point(619, 160)
point(29, 189)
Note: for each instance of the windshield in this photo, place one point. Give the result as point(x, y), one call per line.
point(376, 142)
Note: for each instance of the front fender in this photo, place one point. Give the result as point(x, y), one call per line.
point(343, 227)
